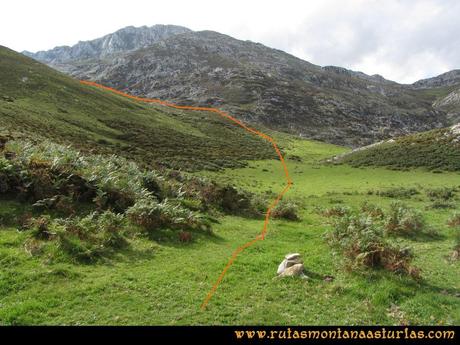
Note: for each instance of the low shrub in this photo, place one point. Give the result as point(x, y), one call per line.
point(398, 192)
point(40, 228)
point(185, 236)
point(91, 237)
point(286, 210)
point(372, 210)
point(152, 215)
point(362, 242)
point(83, 238)
point(454, 220)
point(60, 203)
point(335, 211)
point(440, 204)
point(403, 220)
point(24, 221)
point(443, 193)
point(39, 172)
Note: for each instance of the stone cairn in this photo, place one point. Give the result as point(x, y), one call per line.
point(291, 266)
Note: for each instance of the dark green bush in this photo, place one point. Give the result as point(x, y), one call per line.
point(443, 193)
point(335, 211)
point(440, 204)
point(398, 192)
point(286, 210)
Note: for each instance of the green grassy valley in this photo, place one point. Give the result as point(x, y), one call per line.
point(159, 280)
point(119, 213)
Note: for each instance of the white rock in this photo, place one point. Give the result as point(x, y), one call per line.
point(296, 270)
point(289, 261)
point(282, 267)
point(455, 129)
point(292, 256)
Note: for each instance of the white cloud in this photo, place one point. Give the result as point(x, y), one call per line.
point(401, 40)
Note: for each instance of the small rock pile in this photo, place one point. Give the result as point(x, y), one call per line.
point(291, 266)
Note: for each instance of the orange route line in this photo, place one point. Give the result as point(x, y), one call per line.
point(288, 185)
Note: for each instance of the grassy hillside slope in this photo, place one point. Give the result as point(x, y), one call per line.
point(436, 150)
point(35, 99)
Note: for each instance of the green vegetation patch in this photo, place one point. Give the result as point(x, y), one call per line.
point(436, 150)
point(37, 100)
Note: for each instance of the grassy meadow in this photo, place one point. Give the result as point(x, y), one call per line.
point(107, 206)
point(159, 280)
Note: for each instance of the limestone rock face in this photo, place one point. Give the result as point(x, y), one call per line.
point(121, 41)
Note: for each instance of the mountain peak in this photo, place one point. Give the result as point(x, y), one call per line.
point(123, 40)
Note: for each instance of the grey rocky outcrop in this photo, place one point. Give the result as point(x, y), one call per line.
point(121, 41)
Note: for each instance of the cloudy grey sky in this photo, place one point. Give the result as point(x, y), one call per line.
point(403, 40)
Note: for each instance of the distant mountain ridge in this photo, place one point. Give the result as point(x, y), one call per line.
point(263, 85)
point(446, 79)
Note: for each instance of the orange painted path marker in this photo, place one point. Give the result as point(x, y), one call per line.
point(261, 236)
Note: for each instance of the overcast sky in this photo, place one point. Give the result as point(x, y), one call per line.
point(402, 40)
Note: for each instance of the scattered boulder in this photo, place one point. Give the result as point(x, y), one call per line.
point(291, 266)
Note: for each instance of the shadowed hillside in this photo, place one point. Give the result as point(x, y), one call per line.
point(37, 100)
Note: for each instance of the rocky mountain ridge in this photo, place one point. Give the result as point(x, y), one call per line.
point(267, 86)
point(446, 79)
point(122, 41)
